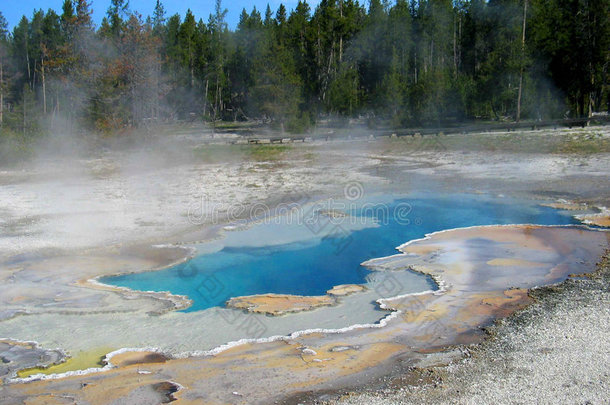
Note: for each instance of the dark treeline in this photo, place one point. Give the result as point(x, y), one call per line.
point(427, 62)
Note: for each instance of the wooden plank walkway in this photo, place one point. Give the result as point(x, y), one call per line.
point(374, 134)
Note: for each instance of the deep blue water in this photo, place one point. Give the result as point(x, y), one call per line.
point(314, 266)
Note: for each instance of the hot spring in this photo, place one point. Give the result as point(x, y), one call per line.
point(325, 244)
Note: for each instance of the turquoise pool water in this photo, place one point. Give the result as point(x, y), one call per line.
point(319, 260)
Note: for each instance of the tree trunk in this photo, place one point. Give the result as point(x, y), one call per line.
point(459, 58)
point(192, 74)
point(1, 92)
point(44, 87)
point(215, 102)
point(415, 68)
point(518, 117)
point(430, 58)
point(55, 109)
point(341, 36)
point(591, 92)
point(454, 47)
point(205, 98)
point(134, 107)
point(27, 60)
point(318, 54)
point(155, 114)
point(24, 105)
point(331, 56)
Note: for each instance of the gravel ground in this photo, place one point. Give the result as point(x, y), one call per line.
point(556, 351)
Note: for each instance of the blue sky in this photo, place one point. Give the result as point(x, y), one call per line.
point(14, 9)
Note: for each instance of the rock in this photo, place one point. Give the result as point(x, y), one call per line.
point(279, 304)
point(17, 356)
point(345, 289)
point(131, 358)
point(309, 351)
point(330, 213)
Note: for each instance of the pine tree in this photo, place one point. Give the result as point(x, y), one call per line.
point(116, 12)
point(83, 16)
point(158, 20)
point(218, 27)
point(4, 39)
